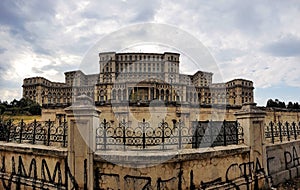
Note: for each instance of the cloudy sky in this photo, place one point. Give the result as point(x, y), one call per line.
point(256, 40)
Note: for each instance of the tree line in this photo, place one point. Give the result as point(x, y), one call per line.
point(24, 106)
point(281, 104)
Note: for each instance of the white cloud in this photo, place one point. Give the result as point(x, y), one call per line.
point(51, 37)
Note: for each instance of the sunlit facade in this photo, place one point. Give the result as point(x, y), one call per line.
point(137, 79)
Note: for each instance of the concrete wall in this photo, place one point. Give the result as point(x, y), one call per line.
point(255, 164)
point(283, 161)
point(219, 167)
point(25, 166)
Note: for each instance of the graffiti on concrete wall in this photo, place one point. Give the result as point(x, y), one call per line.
point(136, 182)
point(291, 158)
point(237, 175)
point(283, 160)
point(36, 175)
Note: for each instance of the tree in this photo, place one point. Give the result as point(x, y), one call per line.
point(271, 103)
point(15, 103)
point(35, 109)
point(281, 104)
point(20, 107)
point(23, 102)
point(276, 104)
point(290, 105)
point(296, 105)
point(2, 109)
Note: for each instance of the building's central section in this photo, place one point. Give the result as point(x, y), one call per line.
point(139, 78)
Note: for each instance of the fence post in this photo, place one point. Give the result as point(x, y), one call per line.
point(252, 120)
point(83, 119)
point(104, 133)
point(123, 126)
point(34, 131)
point(280, 131)
point(124, 133)
point(65, 125)
point(144, 135)
point(224, 132)
point(294, 130)
point(21, 131)
point(179, 134)
point(287, 130)
point(48, 132)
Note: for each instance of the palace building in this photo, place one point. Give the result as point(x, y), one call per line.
point(137, 79)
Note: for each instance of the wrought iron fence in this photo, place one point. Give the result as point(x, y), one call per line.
point(46, 133)
point(166, 136)
point(282, 131)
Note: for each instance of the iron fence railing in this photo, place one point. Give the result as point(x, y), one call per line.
point(46, 133)
point(280, 132)
point(166, 136)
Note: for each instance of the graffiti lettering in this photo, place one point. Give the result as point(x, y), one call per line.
point(247, 171)
point(35, 176)
point(137, 182)
point(237, 175)
point(102, 178)
point(291, 159)
point(217, 181)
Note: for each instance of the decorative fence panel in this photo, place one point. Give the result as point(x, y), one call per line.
point(166, 136)
point(280, 132)
point(46, 133)
point(217, 133)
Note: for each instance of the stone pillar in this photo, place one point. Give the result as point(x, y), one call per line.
point(83, 119)
point(252, 120)
point(149, 93)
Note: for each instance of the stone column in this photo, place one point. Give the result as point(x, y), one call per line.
point(149, 93)
point(83, 119)
point(252, 120)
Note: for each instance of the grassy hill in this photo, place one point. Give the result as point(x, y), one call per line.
point(17, 118)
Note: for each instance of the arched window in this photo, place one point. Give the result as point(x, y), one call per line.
point(49, 98)
point(101, 95)
point(124, 94)
point(167, 95)
point(162, 94)
point(119, 94)
point(113, 94)
point(54, 98)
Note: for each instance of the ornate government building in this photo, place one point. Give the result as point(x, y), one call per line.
point(137, 79)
